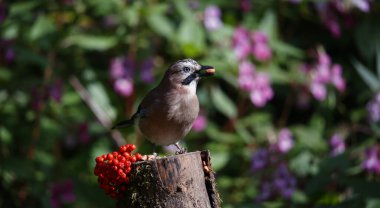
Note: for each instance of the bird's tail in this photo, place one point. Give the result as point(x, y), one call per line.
point(125, 123)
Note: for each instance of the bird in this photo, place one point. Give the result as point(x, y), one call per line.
point(166, 114)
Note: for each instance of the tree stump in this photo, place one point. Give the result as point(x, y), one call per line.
point(184, 180)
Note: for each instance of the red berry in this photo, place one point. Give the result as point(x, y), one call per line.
point(128, 163)
point(109, 156)
point(115, 154)
point(123, 149)
point(126, 154)
point(132, 159)
point(138, 156)
point(131, 147)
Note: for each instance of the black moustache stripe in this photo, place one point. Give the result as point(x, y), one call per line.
point(189, 79)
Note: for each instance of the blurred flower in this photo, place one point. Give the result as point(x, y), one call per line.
point(245, 5)
point(38, 96)
point(323, 72)
point(371, 162)
point(285, 140)
point(329, 18)
point(284, 182)
point(260, 49)
point(246, 74)
point(265, 191)
point(121, 73)
point(147, 71)
point(62, 193)
point(259, 159)
point(123, 86)
point(121, 67)
point(200, 123)
point(318, 90)
point(110, 21)
point(337, 144)
point(6, 51)
point(3, 12)
point(83, 133)
point(212, 19)
point(56, 90)
point(373, 108)
point(256, 83)
point(241, 43)
point(362, 5)
point(261, 92)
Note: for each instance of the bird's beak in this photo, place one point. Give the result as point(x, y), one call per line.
point(206, 71)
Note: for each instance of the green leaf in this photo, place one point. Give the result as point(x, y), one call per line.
point(99, 94)
point(22, 7)
point(191, 37)
point(222, 102)
point(310, 138)
point(304, 164)
point(268, 25)
point(41, 27)
point(219, 160)
point(90, 42)
point(368, 77)
point(159, 23)
point(378, 58)
point(373, 203)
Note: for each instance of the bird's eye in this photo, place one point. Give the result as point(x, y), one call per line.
point(186, 69)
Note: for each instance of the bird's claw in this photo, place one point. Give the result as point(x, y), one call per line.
point(181, 150)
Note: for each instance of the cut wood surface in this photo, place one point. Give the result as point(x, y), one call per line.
point(184, 180)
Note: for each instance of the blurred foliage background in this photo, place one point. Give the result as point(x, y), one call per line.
point(292, 118)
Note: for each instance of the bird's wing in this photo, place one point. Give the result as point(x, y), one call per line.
point(126, 123)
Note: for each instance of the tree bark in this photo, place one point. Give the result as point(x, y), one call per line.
point(184, 180)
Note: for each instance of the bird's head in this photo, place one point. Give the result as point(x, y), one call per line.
point(187, 72)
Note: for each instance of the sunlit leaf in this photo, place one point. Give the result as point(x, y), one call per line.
point(368, 77)
point(41, 27)
point(90, 42)
point(222, 102)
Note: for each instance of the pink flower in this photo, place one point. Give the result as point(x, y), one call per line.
point(200, 123)
point(212, 19)
point(261, 92)
point(261, 51)
point(124, 87)
point(259, 37)
point(285, 140)
point(241, 43)
point(337, 144)
point(336, 78)
point(318, 90)
point(147, 71)
point(246, 72)
point(371, 162)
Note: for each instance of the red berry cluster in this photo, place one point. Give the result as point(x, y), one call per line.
point(112, 170)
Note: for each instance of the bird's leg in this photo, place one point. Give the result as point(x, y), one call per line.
point(181, 150)
point(154, 150)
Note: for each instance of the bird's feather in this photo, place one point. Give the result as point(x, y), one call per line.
point(127, 123)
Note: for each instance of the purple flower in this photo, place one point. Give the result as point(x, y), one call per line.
point(124, 87)
point(262, 52)
point(336, 78)
point(260, 48)
point(212, 19)
point(259, 37)
point(259, 159)
point(121, 67)
point(56, 90)
point(371, 162)
point(246, 74)
point(38, 96)
point(241, 43)
point(329, 18)
point(62, 193)
point(147, 71)
point(266, 192)
point(262, 92)
point(337, 144)
point(318, 90)
point(362, 5)
point(373, 108)
point(284, 182)
point(285, 140)
point(200, 123)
